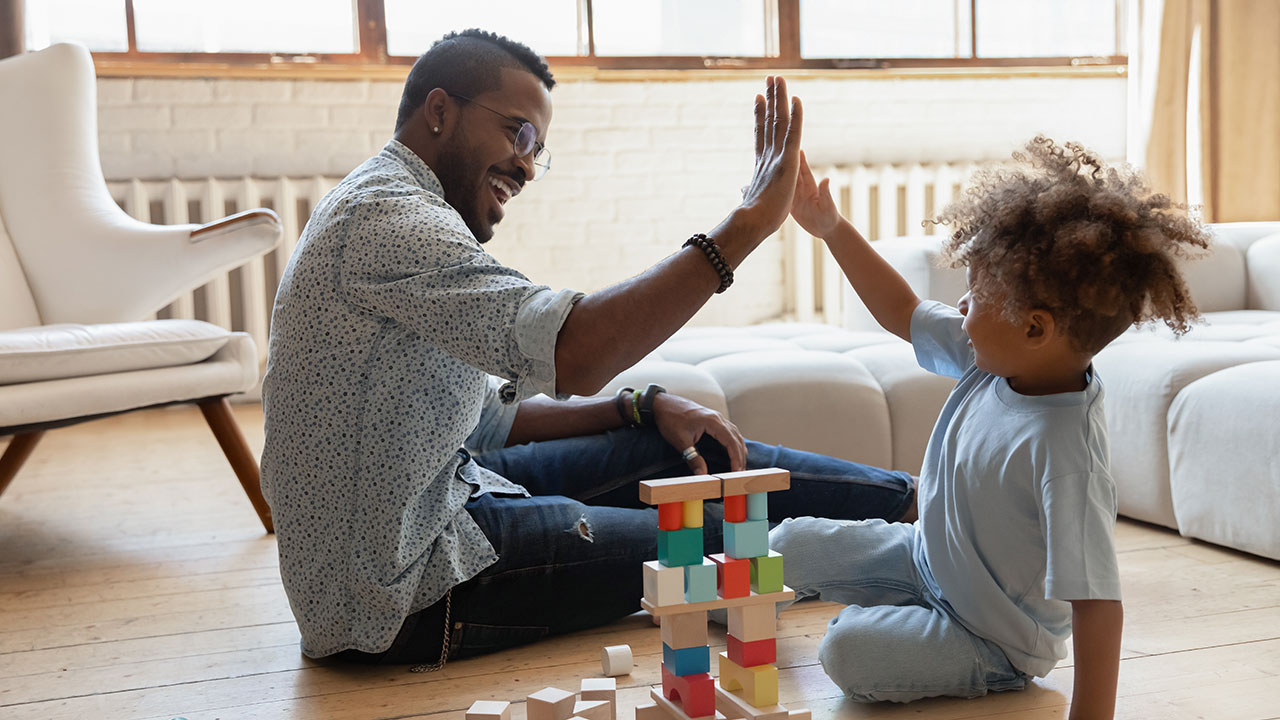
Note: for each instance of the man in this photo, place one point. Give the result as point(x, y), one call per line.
point(429, 503)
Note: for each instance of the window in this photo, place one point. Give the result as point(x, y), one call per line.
point(624, 34)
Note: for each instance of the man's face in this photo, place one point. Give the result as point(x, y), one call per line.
point(478, 167)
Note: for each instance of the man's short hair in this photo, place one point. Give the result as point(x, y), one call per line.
point(467, 63)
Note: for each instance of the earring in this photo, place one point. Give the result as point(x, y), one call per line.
point(435, 129)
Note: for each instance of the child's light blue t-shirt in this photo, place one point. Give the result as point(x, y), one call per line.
point(1017, 504)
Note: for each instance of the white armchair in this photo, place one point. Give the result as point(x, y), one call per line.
point(77, 275)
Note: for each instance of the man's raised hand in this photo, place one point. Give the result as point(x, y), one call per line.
point(773, 181)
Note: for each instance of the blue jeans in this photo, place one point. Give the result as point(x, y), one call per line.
point(896, 640)
point(569, 557)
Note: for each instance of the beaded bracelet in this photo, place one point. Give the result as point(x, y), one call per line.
point(712, 251)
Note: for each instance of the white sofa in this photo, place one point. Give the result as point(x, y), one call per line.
point(1195, 422)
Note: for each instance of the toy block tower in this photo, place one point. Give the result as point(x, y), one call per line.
point(746, 579)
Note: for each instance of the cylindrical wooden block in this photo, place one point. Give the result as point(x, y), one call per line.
point(692, 513)
point(735, 508)
point(671, 516)
point(616, 660)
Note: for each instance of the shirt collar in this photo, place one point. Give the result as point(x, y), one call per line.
point(421, 172)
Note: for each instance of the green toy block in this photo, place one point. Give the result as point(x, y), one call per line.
point(681, 547)
point(766, 573)
point(700, 582)
point(746, 539)
point(758, 506)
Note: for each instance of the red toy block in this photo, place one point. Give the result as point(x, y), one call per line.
point(735, 508)
point(671, 516)
point(733, 575)
point(750, 654)
point(695, 694)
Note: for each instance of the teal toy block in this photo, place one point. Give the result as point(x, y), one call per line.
point(758, 506)
point(766, 573)
point(700, 582)
point(681, 547)
point(686, 661)
point(746, 539)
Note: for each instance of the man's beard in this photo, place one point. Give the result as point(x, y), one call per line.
point(462, 187)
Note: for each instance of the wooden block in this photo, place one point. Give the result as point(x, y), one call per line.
point(766, 573)
point(758, 506)
point(694, 487)
point(759, 684)
point(700, 582)
point(802, 714)
point(616, 660)
point(593, 709)
point(601, 689)
point(695, 694)
point(489, 710)
point(752, 599)
point(681, 547)
point(669, 710)
point(684, 630)
point(733, 575)
point(746, 539)
point(671, 516)
point(748, 654)
point(753, 622)
point(735, 508)
point(550, 704)
point(651, 711)
point(663, 585)
point(687, 661)
point(754, 481)
point(734, 706)
point(692, 513)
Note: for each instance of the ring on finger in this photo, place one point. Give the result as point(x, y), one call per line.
point(689, 453)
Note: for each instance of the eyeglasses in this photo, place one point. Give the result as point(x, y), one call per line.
point(526, 140)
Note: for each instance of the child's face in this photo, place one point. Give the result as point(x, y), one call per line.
point(996, 341)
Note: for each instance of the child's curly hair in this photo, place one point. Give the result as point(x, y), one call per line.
point(1090, 243)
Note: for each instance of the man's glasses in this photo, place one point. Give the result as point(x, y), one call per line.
point(526, 140)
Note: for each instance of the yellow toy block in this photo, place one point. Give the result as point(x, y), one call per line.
point(759, 684)
point(692, 511)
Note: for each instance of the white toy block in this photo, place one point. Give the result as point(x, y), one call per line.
point(489, 710)
point(650, 711)
point(601, 689)
point(684, 630)
point(593, 709)
point(550, 704)
point(663, 585)
point(616, 660)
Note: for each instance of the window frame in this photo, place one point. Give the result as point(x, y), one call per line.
point(373, 58)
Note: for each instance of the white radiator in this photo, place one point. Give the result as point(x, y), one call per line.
point(882, 201)
point(241, 299)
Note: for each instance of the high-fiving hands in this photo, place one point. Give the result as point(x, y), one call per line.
point(768, 196)
point(812, 205)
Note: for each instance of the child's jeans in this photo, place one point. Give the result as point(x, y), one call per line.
point(895, 641)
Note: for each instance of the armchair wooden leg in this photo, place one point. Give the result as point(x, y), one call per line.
point(217, 413)
point(16, 454)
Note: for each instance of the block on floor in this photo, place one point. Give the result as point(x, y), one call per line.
point(593, 710)
point(489, 710)
point(616, 660)
point(605, 688)
point(550, 703)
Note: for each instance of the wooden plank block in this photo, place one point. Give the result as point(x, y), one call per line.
point(694, 487)
point(746, 482)
point(752, 599)
point(733, 706)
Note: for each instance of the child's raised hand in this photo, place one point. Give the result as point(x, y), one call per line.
point(812, 205)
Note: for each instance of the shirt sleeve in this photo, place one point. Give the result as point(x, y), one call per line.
point(496, 418)
point(1080, 511)
point(411, 261)
point(939, 339)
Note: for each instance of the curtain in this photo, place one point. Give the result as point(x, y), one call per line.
point(1204, 103)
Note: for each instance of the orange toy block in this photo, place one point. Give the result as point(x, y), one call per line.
point(754, 622)
point(550, 704)
point(489, 710)
point(671, 516)
point(733, 575)
point(754, 481)
point(735, 508)
point(684, 630)
point(759, 684)
point(695, 487)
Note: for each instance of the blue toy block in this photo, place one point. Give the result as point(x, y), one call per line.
point(746, 539)
point(680, 547)
point(700, 582)
point(758, 506)
point(686, 661)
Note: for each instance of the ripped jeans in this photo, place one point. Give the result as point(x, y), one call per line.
point(569, 557)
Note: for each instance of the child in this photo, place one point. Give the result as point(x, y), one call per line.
point(1013, 550)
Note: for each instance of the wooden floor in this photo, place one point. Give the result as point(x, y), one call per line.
point(136, 582)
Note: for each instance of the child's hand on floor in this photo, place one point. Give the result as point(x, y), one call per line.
point(812, 205)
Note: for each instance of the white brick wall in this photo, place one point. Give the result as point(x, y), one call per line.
point(637, 166)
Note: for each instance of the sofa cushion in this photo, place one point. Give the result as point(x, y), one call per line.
point(52, 352)
point(1223, 443)
point(17, 307)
